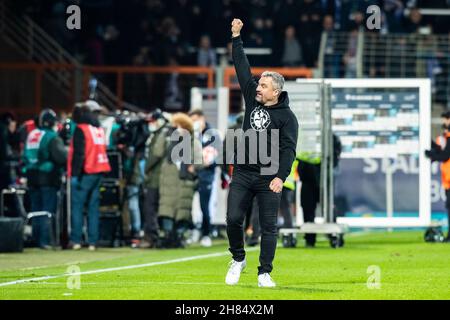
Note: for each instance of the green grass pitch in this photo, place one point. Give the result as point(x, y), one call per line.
point(408, 268)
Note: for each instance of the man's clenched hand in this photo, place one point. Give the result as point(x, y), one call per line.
point(236, 26)
point(276, 185)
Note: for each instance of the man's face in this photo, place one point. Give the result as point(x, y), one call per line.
point(12, 126)
point(290, 32)
point(415, 16)
point(199, 120)
point(265, 91)
point(328, 23)
point(153, 125)
point(205, 42)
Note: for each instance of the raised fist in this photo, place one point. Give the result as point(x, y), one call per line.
point(236, 26)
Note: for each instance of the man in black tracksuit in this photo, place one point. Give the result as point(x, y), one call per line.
point(269, 118)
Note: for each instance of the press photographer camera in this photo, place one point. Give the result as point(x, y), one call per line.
point(135, 128)
point(132, 126)
point(131, 139)
point(66, 131)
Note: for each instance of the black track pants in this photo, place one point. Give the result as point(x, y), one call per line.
point(244, 186)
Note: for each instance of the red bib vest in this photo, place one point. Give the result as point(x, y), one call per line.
point(95, 157)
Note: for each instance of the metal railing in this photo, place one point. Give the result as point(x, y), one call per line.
point(122, 79)
point(374, 55)
point(409, 56)
point(36, 45)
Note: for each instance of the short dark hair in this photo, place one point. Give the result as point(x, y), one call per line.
point(81, 114)
point(196, 112)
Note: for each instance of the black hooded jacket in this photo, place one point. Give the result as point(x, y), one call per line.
point(262, 119)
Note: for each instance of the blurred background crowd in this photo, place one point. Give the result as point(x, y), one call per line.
point(328, 37)
point(139, 182)
point(187, 32)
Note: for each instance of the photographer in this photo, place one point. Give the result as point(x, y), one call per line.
point(131, 137)
point(8, 126)
point(87, 163)
point(178, 181)
point(44, 156)
point(440, 151)
point(154, 156)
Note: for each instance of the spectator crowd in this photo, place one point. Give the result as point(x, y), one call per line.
point(190, 32)
point(185, 32)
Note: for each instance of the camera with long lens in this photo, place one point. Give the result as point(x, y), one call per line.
point(66, 131)
point(130, 125)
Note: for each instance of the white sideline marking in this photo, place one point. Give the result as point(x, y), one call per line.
point(146, 283)
point(151, 264)
point(57, 265)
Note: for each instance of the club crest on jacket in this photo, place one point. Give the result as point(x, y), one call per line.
point(259, 119)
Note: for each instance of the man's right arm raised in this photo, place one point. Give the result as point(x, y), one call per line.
point(241, 64)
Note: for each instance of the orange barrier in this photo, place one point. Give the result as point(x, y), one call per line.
point(86, 71)
point(38, 70)
point(120, 71)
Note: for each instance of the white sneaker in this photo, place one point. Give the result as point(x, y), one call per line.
point(206, 241)
point(234, 272)
point(264, 280)
point(76, 246)
point(194, 238)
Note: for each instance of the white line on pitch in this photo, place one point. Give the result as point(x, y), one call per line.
point(57, 265)
point(151, 264)
point(141, 283)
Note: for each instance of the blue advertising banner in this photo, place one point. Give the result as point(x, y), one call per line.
point(360, 187)
point(378, 129)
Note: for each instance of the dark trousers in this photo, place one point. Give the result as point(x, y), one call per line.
point(150, 206)
point(85, 192)
point(309, 196)
point(5, 176)
point(254, 220)
point(287, 198)
point(243, 188)
point(42, 199)
point(447, 205)
point(204, 192)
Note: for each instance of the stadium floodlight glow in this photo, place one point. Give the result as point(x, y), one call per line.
point(423, 87)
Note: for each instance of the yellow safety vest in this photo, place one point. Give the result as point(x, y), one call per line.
point(293, 176)
point(309, 157)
